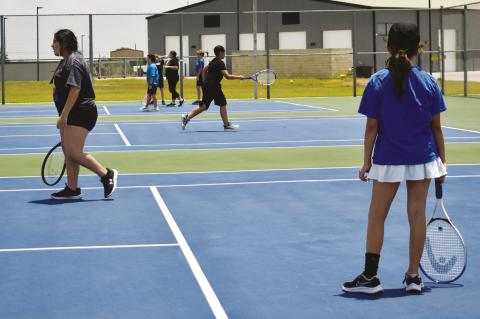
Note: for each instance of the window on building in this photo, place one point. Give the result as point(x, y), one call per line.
point(291, 18)
point(383, 28)
point(211, 21)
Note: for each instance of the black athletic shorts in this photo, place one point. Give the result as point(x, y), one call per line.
point(199, 81)
point(86, 118)
point(152, 89)
point(213, 93)
point(160, 81)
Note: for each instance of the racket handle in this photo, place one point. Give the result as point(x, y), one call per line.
point(438, 189)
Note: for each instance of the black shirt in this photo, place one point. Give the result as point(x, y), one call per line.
point(73, 71)
point(159, 65)
point(214, 72)
point(170, 73)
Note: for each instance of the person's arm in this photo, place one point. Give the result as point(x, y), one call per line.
point(71, 99)
point(438, 134)
point(371, 130)
point(229, 76)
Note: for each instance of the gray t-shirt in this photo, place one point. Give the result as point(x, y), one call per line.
point(73, 71)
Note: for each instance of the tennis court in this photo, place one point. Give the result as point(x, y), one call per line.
point(264, 222)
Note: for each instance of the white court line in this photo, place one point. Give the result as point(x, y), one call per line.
point(309, 106)
point(124, 138)
point(300, 181)
point(106, 110)
point(14, 250)
point(461, 129)
point(49, 135)
point(236, 171)
point(202, 280)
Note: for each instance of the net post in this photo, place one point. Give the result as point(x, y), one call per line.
point(180, 64)
point(465, 52)
point(90, 43)
point(354, 47)
point(442, 50)
point(2, 43)
point(267, 50)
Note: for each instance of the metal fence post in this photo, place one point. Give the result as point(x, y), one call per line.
point(354, 45)
point(181, 54)
point(90, 40)
point(267, 50)
point(2, 35)
point(465, 52)
point(255, 52)
point(442, 50)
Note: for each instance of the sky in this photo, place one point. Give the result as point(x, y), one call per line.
point(109, 32)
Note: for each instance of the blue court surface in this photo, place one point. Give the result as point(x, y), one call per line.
point(229, 244)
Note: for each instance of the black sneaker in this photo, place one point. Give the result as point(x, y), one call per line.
point(67, 193)
point(109, 182)
point(171, 105)
point(413, 284)
point(184, 121)
point(163, 102)
point(230, 127)
point(364, 285)
point(197, 102)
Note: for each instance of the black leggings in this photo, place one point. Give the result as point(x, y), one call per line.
point(172, 87)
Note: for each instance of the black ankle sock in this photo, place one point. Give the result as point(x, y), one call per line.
point(371, 265)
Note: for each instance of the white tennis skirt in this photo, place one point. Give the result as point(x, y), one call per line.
point(400, 173)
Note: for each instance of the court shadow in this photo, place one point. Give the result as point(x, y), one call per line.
point(387, 294)
point(51, 201)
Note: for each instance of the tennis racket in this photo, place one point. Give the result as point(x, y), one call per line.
point(53, 166)
point(444, 256)
point(264, 77)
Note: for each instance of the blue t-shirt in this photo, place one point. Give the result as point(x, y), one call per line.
point(404, 135)
point(199, 65)
point(152, 71)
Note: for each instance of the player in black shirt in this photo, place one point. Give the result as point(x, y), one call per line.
point(160, 63)
point(171, 72)
point(213, 74)
point(75, 102)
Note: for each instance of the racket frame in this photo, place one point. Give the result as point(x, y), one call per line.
point(254, 76)
point(45, 160)
point(439, 195)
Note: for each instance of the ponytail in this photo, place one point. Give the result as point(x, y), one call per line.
point(399, 66)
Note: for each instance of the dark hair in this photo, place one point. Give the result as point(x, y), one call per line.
point(403, 45)
point(67, 40)
point(152, 57)
point(218, 49)
point(173, 53)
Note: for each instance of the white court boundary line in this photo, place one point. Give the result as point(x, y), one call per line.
point(124, 138)
point(300, 181)
point(15, 250)
point(202, 280)
point(460, 129)
point(106, 110)
point(50, 135)
point(235, 171)
point(309, 106)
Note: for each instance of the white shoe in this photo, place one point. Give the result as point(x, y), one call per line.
point(230, 127)
point(144, 109)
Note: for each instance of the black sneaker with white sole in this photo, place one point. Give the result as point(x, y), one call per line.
point(413, 284)
point(109, 182)
point(230, 127)
point(184, 121)
point(67, 194)
point(362, 284)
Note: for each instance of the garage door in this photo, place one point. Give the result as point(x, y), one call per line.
point(173, 43)
point(337, 39)
point(246, 41)
point(292, 40)
point(209, 41)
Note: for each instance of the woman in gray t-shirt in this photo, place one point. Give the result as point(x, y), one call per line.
point(75, 102)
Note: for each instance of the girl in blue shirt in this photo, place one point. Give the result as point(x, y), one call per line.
point(403, 132)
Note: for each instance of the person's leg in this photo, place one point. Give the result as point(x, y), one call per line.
point(224, 115)
point(72, 168)
point(198, 92)
point(162, 92)
point(417, 192)
point(154, 96)
point(73, 142)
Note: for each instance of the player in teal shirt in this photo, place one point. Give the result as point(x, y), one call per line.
point(152, 83)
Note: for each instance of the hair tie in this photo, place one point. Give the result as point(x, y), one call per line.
point(401, 53)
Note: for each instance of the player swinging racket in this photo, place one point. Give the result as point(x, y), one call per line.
point(213, 73)
point(403, 131)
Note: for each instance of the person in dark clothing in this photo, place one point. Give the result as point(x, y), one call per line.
point(213, 74)
point(171, 72)
point(75, 102)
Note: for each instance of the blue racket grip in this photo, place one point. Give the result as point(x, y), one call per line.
point(438, 189)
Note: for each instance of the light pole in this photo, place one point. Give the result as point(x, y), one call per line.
point(83, 35)
point(38, 62)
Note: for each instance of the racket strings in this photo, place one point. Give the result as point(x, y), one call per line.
point(54, 165)
point(266, 77)
point(444, 256)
